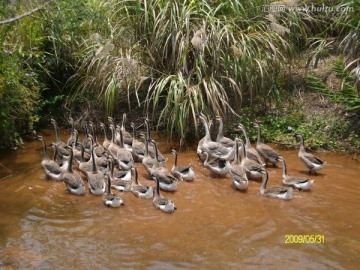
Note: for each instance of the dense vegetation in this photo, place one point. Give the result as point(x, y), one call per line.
point(171, 59)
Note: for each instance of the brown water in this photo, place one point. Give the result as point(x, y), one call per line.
point(215, 226)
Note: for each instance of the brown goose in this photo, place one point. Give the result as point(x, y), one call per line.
point(251, 152)
point(148, 162)
point(106, 141)
point(151, 148)
point(218, 166)
point(123, 157)
point(127, 139)
point(312, 162)
point(238, 171)
point(60, 146)
point(110, 199)
point(161, 203)
point(274, 192)
point(268, 154)
point(253, 169)
point(73, 181)
point(185, 173)
point(225, 141)
point(137, 146)
point(167, 181)
point(51, 168)
point(116, 182)
point(95, 177)
point(298, 182)
point(72, 138)
point(141, 191)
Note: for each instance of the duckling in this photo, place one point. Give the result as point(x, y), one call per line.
point(51, 168)
point(268, 154)
point(73, 181)
point(298, 182)
point(274, 192)
point(238, 171)
point(95, 177)
point(110, 199)
point(217, 166)
point(167, 181)
point(312, 162)
point(164, 204)
point(141, 191)
point(251, 152)
point(181, 172)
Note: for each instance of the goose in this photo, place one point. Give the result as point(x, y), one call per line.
point(73, 181)
point(214, 149)
point(225, 141)
point(181, 172)
point(151, 149)
point(84, 165)
point(99, 149)
point(137, 146)
point(51, 168)
point(253, 169)
point(60, 146)
point(123, 157)
point(86, 143)
point(312, 162)
point(148, 162)
point(95, 177)
point(207, 127)
point(164, 204)
point(268, 154)
point(110, 199)
point(101, 161)
point(78, 155)
point(141, 191)
point(298, 182)
point(238, 171)
point(167, 180)
point(113, 147)
point(118, 183)
point(274, 192)
point(106, 141)
point(127, 139)
point(251, 152)
point(218, 166)
point(72, 138)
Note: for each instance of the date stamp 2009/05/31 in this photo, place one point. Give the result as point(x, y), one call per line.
point(304, 239)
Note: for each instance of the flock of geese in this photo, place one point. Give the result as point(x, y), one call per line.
point(110, 164)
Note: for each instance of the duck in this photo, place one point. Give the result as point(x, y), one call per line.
point(225, 141)
point(298, 182)
point(139, 190)
point(251, 152)
point(106, 141)
point(95, 177)
point(60, 146)
point(118, 183)
point(214, 149)
point(185, 172)
point(238, 171)
point(312, 162)
point(274, 192)
point(110, 199)
point(268, 154)
point(167, 180)
point(51, 168)
point(138, 147)
point(217, 166)
point(73, 181)
point(161, 203)
point(253, 169)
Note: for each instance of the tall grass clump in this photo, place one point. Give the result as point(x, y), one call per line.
point(186, 56)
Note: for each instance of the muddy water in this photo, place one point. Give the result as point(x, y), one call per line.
point(215, 226)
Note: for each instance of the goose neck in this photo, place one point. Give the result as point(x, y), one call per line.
point(265, 179)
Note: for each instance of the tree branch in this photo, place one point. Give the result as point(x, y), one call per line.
point(25, 14)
